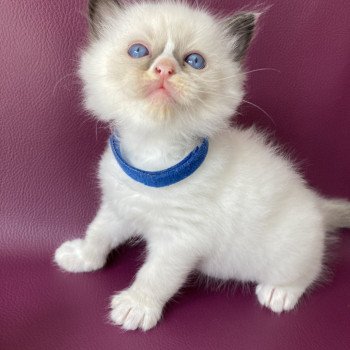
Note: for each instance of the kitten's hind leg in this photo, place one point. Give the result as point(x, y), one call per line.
point(278, 294)
point(279, 298)
point(296, 263)
point(104, 233)
point(284, 296)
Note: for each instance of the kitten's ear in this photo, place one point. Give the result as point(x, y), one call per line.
point(241, 28)
point(99, 10)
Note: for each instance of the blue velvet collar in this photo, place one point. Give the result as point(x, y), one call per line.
point(164, 177)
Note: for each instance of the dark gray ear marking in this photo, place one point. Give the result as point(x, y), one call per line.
point(241, 26)
point(97, 9)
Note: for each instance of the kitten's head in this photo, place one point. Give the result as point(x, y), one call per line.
point(164, 65)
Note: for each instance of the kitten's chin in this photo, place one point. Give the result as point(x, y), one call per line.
point(160, 108)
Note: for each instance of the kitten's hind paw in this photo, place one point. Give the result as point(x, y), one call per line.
point(73, 256)
point(278, 299)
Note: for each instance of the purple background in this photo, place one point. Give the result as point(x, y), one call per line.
point(49, 149)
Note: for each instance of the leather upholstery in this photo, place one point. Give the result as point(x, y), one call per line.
point(49, 149)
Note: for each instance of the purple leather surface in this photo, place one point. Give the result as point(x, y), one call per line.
point(49, 151)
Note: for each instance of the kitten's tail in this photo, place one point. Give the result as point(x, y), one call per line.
point(336, 213)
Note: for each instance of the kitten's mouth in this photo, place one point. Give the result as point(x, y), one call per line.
point(161, 91)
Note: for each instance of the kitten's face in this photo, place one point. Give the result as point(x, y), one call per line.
point(161, 65)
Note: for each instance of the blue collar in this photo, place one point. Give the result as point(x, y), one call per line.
point(164, 177)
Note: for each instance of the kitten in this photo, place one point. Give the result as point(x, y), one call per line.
point(168, 77)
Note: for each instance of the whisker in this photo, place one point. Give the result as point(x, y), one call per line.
point(243, 73)
point(262, 110)
point(243, 100)
point(60, 80)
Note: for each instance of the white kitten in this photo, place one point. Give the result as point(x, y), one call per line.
point(167, 76)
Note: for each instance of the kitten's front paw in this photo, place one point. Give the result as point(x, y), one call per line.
point(132, 310)
point(278, 299)
point(73, 256)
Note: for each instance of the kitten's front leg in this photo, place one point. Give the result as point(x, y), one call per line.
point(162, 275)
point(104, 233)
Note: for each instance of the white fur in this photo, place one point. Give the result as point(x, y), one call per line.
point(245, 214)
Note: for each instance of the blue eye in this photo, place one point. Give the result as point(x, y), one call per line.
point(138, 51)
point(195, 60)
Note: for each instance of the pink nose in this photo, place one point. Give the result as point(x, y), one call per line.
point(165, 69)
